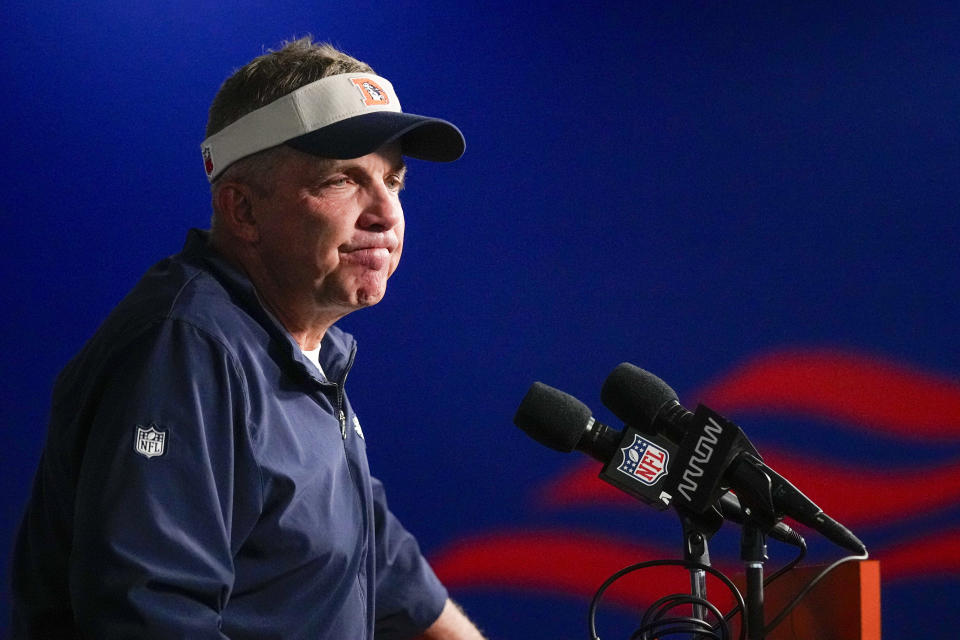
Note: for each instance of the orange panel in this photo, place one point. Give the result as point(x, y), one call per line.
point(843, 606)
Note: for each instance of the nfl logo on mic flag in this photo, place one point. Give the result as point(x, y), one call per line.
point(644, 461)
point(642, 467)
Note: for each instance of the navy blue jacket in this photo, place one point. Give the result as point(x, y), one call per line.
point(201, 479)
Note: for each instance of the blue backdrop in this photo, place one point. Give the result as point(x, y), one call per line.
point(756, 201)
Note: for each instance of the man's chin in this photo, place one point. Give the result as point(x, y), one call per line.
point(354, 294)
point(368, 297)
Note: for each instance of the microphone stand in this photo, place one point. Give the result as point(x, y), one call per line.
point(755, 495)
point(753, 552)
point(697, 530)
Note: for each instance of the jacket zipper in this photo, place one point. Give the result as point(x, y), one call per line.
point(341, 387)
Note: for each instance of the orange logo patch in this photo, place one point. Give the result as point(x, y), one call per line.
point(373, 94)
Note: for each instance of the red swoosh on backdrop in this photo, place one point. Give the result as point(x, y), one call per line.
point(926, 556)
point(840, 385)
point(561, 562)
point(853, 495)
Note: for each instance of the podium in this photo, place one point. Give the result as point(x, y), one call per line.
point(845, 605)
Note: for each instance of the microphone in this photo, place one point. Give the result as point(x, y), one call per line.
point(640, 398)
point(561, 422)
point(558, 420)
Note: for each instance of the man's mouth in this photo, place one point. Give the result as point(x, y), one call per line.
point(370, 257)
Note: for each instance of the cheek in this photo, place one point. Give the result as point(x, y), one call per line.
point(323, 238)
point(309, 248)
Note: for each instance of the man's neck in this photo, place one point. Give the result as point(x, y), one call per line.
point(304, 322)
point(307, 331)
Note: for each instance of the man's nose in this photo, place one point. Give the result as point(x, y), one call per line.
point(382, 210)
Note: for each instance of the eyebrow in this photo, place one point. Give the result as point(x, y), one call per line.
point(337, 164)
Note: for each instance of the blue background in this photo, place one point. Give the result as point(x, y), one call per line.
point(682, 185)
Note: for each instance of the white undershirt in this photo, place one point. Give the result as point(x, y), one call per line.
point(313, 355)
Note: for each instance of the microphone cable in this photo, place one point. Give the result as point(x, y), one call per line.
point(656, 623)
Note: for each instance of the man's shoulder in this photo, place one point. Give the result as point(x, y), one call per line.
point(176, 289)
point(183, 289)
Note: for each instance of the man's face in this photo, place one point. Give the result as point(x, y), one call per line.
point(331, 232)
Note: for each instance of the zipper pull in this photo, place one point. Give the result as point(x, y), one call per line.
point(343, 425)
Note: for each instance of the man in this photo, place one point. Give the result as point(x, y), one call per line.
point(204, 474)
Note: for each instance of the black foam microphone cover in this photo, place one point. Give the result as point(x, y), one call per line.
point(637, 396)
point(552, 418)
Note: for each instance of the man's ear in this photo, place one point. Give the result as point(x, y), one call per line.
point(234, 202)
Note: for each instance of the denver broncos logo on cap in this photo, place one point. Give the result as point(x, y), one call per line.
point(373, 94)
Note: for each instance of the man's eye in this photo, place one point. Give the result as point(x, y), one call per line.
point(394, 183)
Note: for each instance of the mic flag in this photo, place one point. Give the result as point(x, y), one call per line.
point(642, 466)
